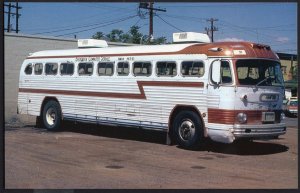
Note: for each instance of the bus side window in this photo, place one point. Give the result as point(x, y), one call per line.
point(166, 69)
point(51, 68)
point(85, 69)
point(192, 68)
point(123, 68)
point(28, 69)
point(142, 68)
point(105, 68)
point(38, 68)
point(66, 68)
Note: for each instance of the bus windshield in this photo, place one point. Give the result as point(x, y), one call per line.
point(259, 72)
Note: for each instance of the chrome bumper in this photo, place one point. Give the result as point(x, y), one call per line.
point(259, 131)
point(294, 112)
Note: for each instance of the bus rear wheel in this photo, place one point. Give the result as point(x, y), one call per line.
point(188, 130)
point(52, 116)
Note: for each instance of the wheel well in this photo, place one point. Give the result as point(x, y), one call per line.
point(46, 99)
point(179, 108)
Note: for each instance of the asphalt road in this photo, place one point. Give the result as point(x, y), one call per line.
point(88, 156)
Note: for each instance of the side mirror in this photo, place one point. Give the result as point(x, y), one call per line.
point(216, 72)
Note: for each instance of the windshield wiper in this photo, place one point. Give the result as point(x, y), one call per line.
point(264, 80)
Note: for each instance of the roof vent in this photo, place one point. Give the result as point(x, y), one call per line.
point(92, 43)
point(190, 37)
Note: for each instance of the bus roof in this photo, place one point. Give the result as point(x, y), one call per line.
point(217, 49)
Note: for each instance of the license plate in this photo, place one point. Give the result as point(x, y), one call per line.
point(268, 116)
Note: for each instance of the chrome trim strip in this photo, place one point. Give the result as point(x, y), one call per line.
point(116, 122)
point(262, 126)
point(259, 130)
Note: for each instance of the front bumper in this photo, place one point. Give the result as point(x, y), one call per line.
point(293, 112)
point(259, 131)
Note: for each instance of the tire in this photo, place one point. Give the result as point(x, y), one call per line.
point(52, 116)
point(188, 130)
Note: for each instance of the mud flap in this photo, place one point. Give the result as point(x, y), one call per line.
point(168, 139)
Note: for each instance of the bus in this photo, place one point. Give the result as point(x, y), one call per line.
point(192, 89)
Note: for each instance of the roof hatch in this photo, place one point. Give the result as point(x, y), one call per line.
point(190, 37)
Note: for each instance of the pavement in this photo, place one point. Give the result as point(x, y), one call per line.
point(101, 157)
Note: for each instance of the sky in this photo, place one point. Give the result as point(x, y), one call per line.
point(274, 24)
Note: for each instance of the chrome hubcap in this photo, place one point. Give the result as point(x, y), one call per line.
point(186, 130)
point(50, 116)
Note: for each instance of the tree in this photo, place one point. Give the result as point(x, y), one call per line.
point(132, 36)
point(115, 35)
point(294, 72)
point(136, 36)
point(98, 35)
point(160, 40)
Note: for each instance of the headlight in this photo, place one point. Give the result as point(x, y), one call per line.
point(242, 118)
point(282, 117)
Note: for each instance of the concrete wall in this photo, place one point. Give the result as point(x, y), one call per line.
point(16, 49)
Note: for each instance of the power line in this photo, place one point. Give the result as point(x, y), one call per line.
point(78, 27)
point(190, 18)
point(185, 17)
point(107, 6)
point(226, 5)
point(98, 26)
point(66, 28)
point(249, 30)
point(253, 28)
point(169, 23)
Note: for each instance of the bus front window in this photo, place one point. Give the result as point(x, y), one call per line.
point(259, 72)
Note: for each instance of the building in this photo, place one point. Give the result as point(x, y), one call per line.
point(289, 65)
point(289, 68)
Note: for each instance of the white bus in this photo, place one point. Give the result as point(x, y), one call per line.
point(191, 89)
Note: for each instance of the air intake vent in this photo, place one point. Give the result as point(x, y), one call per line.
point(187, 37)
point(92, 43)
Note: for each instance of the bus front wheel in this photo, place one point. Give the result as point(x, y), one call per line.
point(188, 130)
point(52, 115)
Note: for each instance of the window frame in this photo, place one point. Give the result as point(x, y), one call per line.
point(231, 73)
point(151, 66)
point(85, 74)
point(42, 68)
point(32, 69)
point(167, 61)
point(113, 68)
point(123, 67)
point(66, 63)
point(198, 76)
point(231, 66)
point(46, 68)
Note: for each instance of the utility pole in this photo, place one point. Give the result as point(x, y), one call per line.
point(212, 28)
point(8, 19)
point(17, 17)
point(149, 6)
point(9, 14)
point(151, 21)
